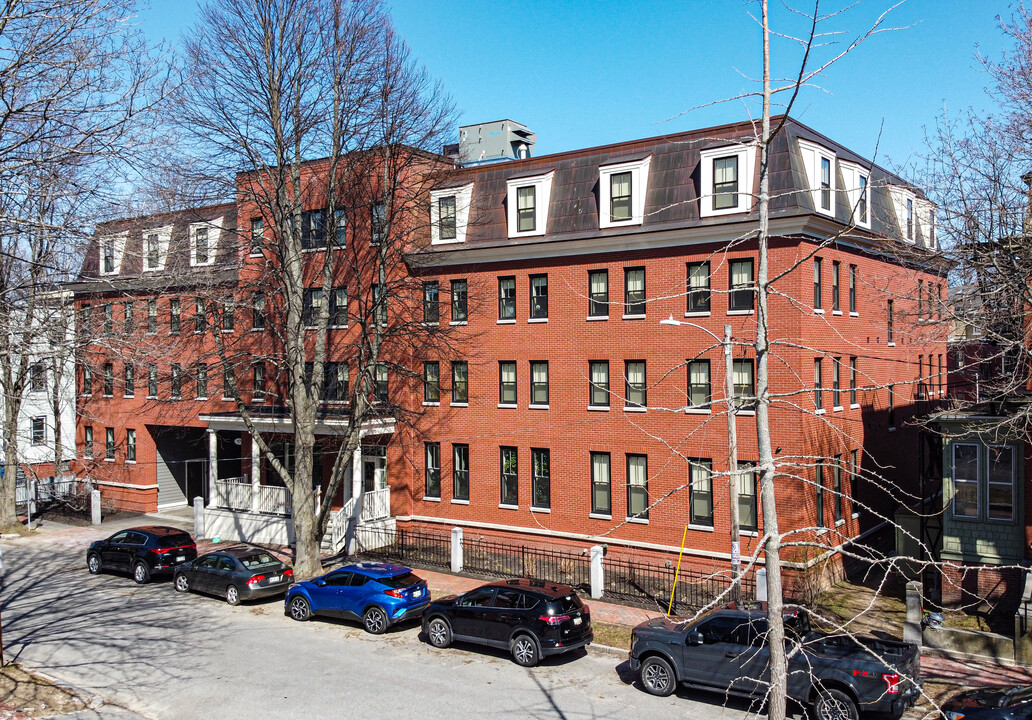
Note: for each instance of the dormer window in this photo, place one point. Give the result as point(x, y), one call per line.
point(855, 180)
point(903, 200)
point(910, 219)
point(112, 248)
point(527, 203)
point(449, 214)
point(861, 206)
point(819, 166)
point(155, 248)
point(202, 242)
point(622, 193)
point(726, 180)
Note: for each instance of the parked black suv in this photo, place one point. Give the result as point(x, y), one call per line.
point(529, 618)
point(143, 551)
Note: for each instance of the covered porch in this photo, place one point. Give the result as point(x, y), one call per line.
point(257, 507)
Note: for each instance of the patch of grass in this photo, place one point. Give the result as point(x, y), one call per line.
point(35, 696)
point(617, 636)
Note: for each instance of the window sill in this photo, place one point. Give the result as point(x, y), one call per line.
point(633, 317)
point(427, 403)
point(506, 322)
point(254, 329)
point(740, 312)
point(822, 531)
point(503, 506)
point(840, 523)
point(431, 499)
point(110, 460)
point(745, 412)
point(748, 533)
point(456, 323)
point(507, 406)
point(203, 398)
point(457, 501)
point(697, 411)
point(638, 521)
point(130, 462)
point(593, 318)
point(226, 398)
point(106, 395)
point(836, 312)
point(458, 404)
point(599, 516)
point(892, 344)
point(820, 411)
point(598, 408)
point(892, 428)
point(152, 397)
point(255, 254)
point(705, 313)
point(855, 515)
point(853, 313)
point(129, 395)
point(634, 409)
point(818, 311)
point(537, 407)
point(837, 408)
point(854, 406)
point(537, 320)
point(701, 528)
point(546, 511)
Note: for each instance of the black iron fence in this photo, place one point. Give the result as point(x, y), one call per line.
point(492, 558)
point(652, 585)
point(404, 545)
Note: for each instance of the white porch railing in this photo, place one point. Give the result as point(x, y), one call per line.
point(239, 494)
point(339, 525)
point(376, 505)
point(273, 499)
point(232, 493)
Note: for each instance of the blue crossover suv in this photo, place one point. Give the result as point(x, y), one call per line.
point(378, 594)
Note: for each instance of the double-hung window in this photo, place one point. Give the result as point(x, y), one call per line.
point(1000, 476)
point(526, 209)
point(176, 381)
point(446, 217)
point(258, 381)
point(701, 493)
point(825, 183)
point(152, 380)
point(377, 223)
point(862, 204)
point(818, 383)
point(109, 443)
point(507, 298)
point(228, 315)
point(889, 322)
point(460, 472)
point(836, 489)
point(910, 219)
point(598, 293)
point(817, 284)
point(835, 272)
point(699, 390)
point(745, 391)
point(336, 382)
point(431, 303)
point(852, 381)
point(258, 311)
point(852, 289)
point(87, 441)
point(459, 300)
point(634, 291)
point(127, 317)
point(725, 182)
point(506, 383)
point(699, 287)
point(109, 319)
point(636, 390)
point(601, 484)
point(836, 382)
point(740, 297)
point(539, 297)
point(109, 379)
point(381, 392)
point(152, 252)
point(37, 377)
point(432, 382)
point(129, 380)
point(638, 487)
point(200, 315)
point(311, 307)
point(338, 307)
point(39, 430)
point(509, 479)
point(966, 475)
point(748, 517)
point(433, 470)
point(130, 445)
point(460, 382)
point(202, 380)
point(821, 490)
point(620, 196)
point(539, 383)
point(152, 317)
point(257, 239)
point(201, 250)
point(599, 383)
point(541, 484)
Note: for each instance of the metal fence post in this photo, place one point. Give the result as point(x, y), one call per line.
point(456, 550)
point(597, 572)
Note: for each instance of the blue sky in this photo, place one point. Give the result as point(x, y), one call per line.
point(589, 72)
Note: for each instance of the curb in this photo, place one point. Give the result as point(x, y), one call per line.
point(610, 650)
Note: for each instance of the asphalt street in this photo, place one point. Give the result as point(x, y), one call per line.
point(165, 655)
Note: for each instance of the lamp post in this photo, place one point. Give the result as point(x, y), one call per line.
point(732, 444)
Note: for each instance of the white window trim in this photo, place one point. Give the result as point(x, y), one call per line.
point(164, 238)
point(639, 170)
point(214, 228)
point(851, 174)
point(118, 243)
point(812, 154)
point(977, 481)
point(746, 174)
point(899, 196)
point(924, 232)
point(463, 201)
point(542, 193)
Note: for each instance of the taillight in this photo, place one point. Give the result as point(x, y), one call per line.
point(553, 619)
point(256, 579)
point(288, 573)
point(394, 593)
point(891, 683)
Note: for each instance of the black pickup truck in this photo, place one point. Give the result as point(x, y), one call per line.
point(725, 651)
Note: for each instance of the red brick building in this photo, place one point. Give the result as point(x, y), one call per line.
point(560, 410)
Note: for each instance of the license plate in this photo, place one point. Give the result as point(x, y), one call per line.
point(180, 558)
point(576, 621)
point(417, 593)
point(274, 578)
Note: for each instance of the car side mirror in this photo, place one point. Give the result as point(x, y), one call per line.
point(320, 583)
point(694, 637)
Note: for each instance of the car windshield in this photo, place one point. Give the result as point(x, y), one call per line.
point(170, 541)
point(259, 560)
point(401, 581)
point(569, 602)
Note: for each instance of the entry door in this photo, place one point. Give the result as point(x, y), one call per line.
point(374, 474)
point(196, 479)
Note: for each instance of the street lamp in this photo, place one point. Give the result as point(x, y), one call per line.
point(732, 440)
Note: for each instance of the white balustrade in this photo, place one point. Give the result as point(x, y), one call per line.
point(376, 505)
point(236, 494)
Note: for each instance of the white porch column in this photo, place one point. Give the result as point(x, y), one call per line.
point(213, 464)
point(256, 473)
point(356, 472)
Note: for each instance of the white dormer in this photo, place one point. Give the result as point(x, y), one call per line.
point(856, 184)
point(155, 248)
point(904, 202)
point(204, 241)
point(726, 178)
point(924, 211)
point(449, 214)
point(621, 193)
point(527, 202)
point(819, 164)
point(112, 250)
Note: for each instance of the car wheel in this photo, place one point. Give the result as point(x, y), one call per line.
point(181, 583)
point(300, 610)
point(232, 595)
point(834, 704)
point(140, 573)
point(375, 620)
point(657, 677)
point(524, 651)
point(439, 632)
point(93, 563)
